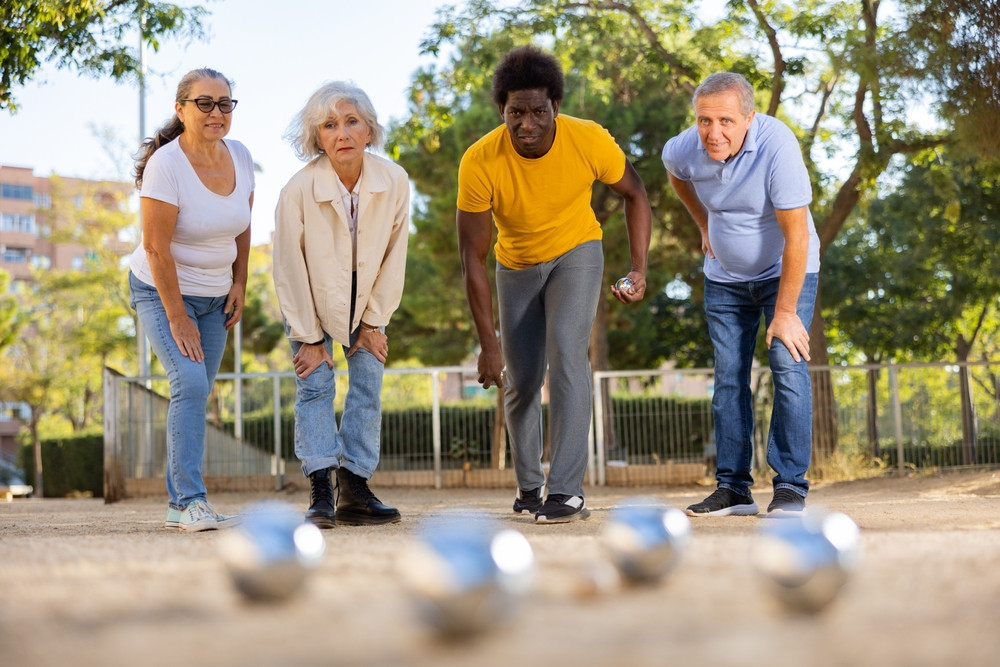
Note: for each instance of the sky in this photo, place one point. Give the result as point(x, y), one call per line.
point(276, 53)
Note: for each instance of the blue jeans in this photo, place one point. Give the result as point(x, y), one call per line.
point(355, 445)
point(546, 314)
point(734, 311)
point(190, 383)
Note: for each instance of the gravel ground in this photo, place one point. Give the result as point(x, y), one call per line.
point(84, 583)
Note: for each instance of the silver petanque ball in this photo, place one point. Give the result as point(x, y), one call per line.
point(624, 283)
point(466, 573)
point(271, 553)
point(645, 539)
point(805, 561)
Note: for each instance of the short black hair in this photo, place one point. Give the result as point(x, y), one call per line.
point(527, 68)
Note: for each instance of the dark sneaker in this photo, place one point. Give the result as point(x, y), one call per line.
point(786, 503)
point(724, 502)
point(560, 508)
point(528, 502)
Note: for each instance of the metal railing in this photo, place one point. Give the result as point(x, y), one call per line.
point(650, 426)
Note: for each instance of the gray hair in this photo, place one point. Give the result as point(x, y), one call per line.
point(727, 82)
point(303, 131)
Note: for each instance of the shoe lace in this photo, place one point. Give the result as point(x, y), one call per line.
point(720, 494)
point(198, 511)
point(784, 495)
point(322, 492)
point(359, 487)
point(213, 512)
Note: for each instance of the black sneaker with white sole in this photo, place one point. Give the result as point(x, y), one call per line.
point(724, 502)
point(786, 503)
point(560, 508)
point(528, 502)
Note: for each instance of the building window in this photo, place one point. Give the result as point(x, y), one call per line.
point(11, 191)
point(17, 223)
point(78, 263)
point(15, 255)
point(43, 262)
point(43, 200)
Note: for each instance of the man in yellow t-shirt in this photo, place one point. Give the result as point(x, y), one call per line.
point(534, 176)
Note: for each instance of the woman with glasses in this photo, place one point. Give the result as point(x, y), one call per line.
point(188, 276)
point(341, 229)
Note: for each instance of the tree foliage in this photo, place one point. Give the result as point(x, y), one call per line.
point(917, 276)
point(956, 48)
point(87, 35)
point(611, 78)
point(8, 312)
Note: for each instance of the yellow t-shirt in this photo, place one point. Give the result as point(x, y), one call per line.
point(541, 206)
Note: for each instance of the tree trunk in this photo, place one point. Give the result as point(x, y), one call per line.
point(872, 422)
point(962, 349)
point(36, 444)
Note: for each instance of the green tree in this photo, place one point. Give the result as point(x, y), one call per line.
point(607, 67)
point(86, 35)
point(8, 312)
point(960, 57)
point(72, 323)
point(917, 276)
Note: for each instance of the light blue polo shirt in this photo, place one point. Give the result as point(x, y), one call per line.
point(741, 196)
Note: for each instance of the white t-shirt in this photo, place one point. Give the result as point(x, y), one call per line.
point(204, 241)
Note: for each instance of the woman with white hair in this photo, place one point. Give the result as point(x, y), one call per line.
point(341, 228)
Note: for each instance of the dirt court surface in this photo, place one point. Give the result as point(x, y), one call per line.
point(84, 583)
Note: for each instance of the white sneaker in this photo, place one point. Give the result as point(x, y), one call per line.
point(173, 520)
point(197, 517)
point(224, 520)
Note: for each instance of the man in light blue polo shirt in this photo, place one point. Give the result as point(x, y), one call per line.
point(742, 178)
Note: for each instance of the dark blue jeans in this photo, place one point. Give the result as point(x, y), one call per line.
point(734, 311)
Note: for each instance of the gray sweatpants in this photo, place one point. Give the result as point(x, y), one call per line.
point(546, 314)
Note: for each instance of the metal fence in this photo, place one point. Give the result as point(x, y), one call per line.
point(441, 429)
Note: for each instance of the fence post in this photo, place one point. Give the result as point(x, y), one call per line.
point(599, 429)
point(238, 382)
point(114, 479)
point(897, 414)
point(279, 472)
point(436, 425)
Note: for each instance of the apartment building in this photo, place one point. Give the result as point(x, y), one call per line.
point(28, 219)
point(40, 223)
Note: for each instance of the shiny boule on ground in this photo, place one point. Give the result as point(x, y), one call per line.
point(271, 554)
point(645, 539)
point(805, 561)
point(466, 573)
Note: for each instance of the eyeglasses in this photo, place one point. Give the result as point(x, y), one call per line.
point(206, 104)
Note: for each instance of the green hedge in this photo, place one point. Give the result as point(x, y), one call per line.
point(69, 465)
point(664, 427)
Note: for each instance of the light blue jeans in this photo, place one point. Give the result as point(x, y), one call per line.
point(734, 311)
point(190, 383)
point(355, 445)
point(546, 314)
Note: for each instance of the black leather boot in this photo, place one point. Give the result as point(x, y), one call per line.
point(357, 505)
point(321, 511)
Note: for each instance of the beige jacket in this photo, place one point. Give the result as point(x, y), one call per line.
point(313, 253)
